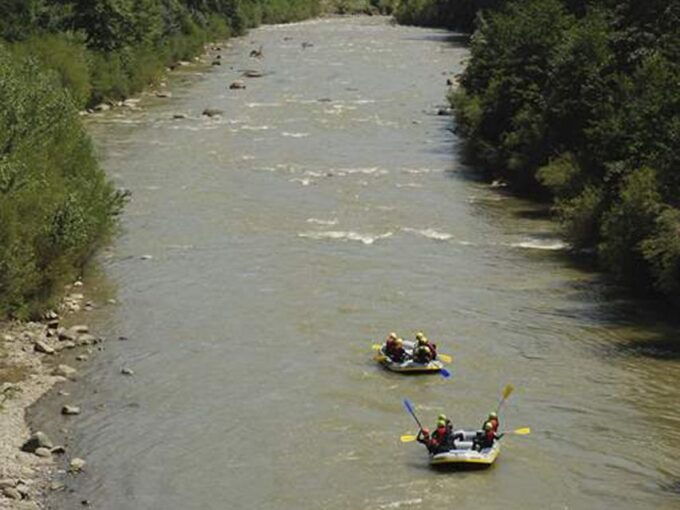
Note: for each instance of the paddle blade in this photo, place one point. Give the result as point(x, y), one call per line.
point(445, 358)
point(376, 347)
point(522, 432)
point(508, 390)
point(444, 373)
point(409, 406)
point(407, 438)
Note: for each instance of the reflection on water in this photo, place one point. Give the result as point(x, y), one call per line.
point(321, 210)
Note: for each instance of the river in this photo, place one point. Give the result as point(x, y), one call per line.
point(327, 206)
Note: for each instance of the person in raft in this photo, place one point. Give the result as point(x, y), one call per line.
point(390, 343)
point(398, 354)
point(486, 438)
point(424, 350)
point(424, 438)
point(493, 420)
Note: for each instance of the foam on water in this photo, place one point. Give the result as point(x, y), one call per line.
point(541, 244)
point(318, 221)
point(344, 236)
point(430, 233)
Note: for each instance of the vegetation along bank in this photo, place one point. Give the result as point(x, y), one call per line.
point(579, 101)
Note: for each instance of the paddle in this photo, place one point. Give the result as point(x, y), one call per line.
point(444, 373)
point(409, 408)
point(524, 431)
point(507, 391)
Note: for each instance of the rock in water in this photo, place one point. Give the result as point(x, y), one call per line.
point(77, 464)
point(127, 371)
point(212, 112)
point(70, 410)
point(238, 84)
point(37, 440)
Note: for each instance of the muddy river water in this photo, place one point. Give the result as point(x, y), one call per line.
point(327, 206)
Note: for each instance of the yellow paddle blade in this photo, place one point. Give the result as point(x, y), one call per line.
point(376, 347)
point(522, 432)
point(379, 358)
point(407, 438)
point(445, 358)
point(508, 390)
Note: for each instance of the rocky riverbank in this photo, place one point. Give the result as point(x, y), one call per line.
point(32, 361)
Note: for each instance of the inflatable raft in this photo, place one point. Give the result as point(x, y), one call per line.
point(463, 454)
point(408, 366)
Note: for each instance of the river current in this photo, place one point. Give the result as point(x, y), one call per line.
point(265, 250)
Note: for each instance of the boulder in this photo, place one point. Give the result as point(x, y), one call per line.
point(37, 440)
point(76, 464)
point(58, 450)
point(80, 328)
point(238, 84)
point(65, 371)
point(174, 116)
point(102, 107)
point(212, 112)
point(127, 371)
point(41, 346)
point(69, 344)
point(163, 94)
point(70, 410)
point(216, 63)
point(82, 357)
point(253, 74)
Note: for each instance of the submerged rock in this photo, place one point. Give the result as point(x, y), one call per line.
point(238, 84)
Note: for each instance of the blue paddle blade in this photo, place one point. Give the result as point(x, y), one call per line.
point(408, 406)
point(445, 373)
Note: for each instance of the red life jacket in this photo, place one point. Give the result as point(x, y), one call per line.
point(439, 435)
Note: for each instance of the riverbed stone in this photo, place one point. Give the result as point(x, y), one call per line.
point(82, 357)
point(7, 482)
point(76, 464)
point(58, 450)
point(70, 410)
point(37, 440)
point(86, 339)
point(67, 334)
point(80, 328)
point(43, 452)
point(65, 371)
point(11, 493)
point(102, 107)
point(238, 84)
point(41, 346)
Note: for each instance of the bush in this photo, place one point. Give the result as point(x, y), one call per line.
point(56, 206)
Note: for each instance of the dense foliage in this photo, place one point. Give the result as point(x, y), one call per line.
point(109, 49)
point(55, 203)
point(582, 98)
point(56, 57)
point(453, 14)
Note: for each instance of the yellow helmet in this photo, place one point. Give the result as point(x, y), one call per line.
point(442, 417)
point(488, 426)
point(493, 414)
point(393, 336)
point(399, 341)
point(420, 335)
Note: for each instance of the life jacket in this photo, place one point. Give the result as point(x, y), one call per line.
point(439, 435)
